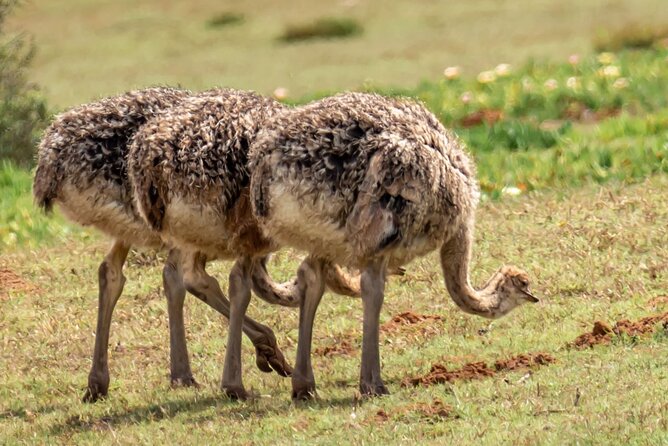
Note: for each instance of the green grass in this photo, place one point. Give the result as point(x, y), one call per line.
point(21, 224)
point(91, 49)
point(586, 151)
point(534, 144)
point(593, 254)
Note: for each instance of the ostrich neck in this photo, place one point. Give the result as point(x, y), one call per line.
point(455, 259)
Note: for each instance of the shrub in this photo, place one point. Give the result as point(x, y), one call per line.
point(631, 37)
point(325, 28)
point(23, 111)
point(226, 19)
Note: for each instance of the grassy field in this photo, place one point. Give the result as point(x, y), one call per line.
point(88, 49)
point(572, 156)
point(597, 253)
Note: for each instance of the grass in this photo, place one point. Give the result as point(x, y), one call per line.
point(91, 49)
point(597, 253)
point(533, 141)
point(21, 224)
point(582, 142)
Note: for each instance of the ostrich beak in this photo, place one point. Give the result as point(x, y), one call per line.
point(530, 297)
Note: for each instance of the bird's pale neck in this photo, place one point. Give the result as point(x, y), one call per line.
point(455, 259)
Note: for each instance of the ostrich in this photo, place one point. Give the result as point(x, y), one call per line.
point(370, 182)
point(188, 169)
point(83, 168)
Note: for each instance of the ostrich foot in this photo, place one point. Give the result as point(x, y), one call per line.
point(303, 391)
point(184, 381)
point(97, 389)
point(268, 357)
point(235, 393)
point(373, 389)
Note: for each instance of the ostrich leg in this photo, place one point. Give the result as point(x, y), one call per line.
point(111, 282)
point(373, 288)
point(240, 295)
point(175, 291)
point(312, 284)
point(268, 356)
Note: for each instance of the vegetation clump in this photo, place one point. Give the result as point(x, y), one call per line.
point(324, 28)
point(225, 19)
point(23, 111)
point(633, 36)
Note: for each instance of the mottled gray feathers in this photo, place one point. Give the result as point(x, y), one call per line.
point(88, 144)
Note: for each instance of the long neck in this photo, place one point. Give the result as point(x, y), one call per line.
point(455, 259)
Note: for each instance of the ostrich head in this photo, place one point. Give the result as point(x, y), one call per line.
point(510, 288)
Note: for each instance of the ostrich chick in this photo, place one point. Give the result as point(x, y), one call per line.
point(370, 182)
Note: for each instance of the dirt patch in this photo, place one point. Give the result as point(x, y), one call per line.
point(439, 374)
point(523, 361)
point(409, 321)
point(577, 111)
point(658, 301)
point(435, 411)
point(487, 116)
point(381, 416)
point(432, 412)
point(340, 348)
point(602, 333)
point(10, 281)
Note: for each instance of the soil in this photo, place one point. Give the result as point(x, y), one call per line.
point(439, 374)
point(487, 116)
point(408, 318)
point(340, 348)
point(436, 410)
point(658, 301)
point(382, 416)
point(577, 111)
point(524, 361)
point(10, 281)
point(602, 333)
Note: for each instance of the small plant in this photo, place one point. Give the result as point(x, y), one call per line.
point(631, 37)
point(226, 19)
point(324, 28)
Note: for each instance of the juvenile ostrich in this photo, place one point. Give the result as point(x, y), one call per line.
point(83, 168)
point(188, 169)
point(370, 182)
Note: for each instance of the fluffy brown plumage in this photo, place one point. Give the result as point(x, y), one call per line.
point(82, 161)
point(368, 181)
point(358, 163)
point(82, 167)
point(189, 170)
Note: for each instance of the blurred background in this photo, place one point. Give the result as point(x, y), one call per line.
point(546, 93)
point(88, 49)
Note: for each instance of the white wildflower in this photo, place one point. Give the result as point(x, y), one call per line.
point(551, 84)
point(452, 73)
point(280, 93)
point(620, 83)
point(606, 58)
point(572, 82)
point(466, 97)
point(610, 71)
point(511, 191)
point(486, 77)
point(502, 70)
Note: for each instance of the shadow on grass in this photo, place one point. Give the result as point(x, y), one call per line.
point(169, 409)
point(28, 414)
